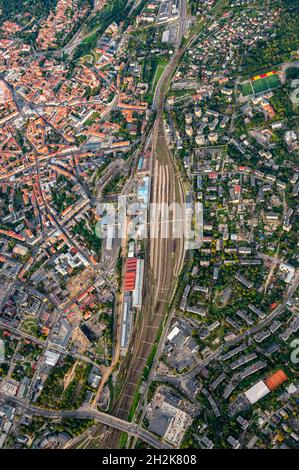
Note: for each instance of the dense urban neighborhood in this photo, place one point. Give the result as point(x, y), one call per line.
point(149, 261)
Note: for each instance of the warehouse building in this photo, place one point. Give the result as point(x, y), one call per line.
point(127, 322)
point(137, 292)
point(133, 286)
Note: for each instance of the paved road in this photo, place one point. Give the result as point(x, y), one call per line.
point(86, 413)
point(179, 380)
point(164, 256)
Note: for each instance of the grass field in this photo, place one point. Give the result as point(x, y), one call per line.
point(87, 59)
point(246, 89)
point(30, 327)
point(261, 85)
point(123, 440)
point(267, 83)
point(158, 73)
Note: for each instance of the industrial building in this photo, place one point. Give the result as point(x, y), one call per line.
point(134, 279)
point(137, 293)
point(127, 321)
point(133, 285)
point(130, 276)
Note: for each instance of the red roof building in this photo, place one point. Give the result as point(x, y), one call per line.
point(130, 276)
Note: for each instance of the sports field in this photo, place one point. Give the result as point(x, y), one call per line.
point(267, 83)
point(260, 85)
